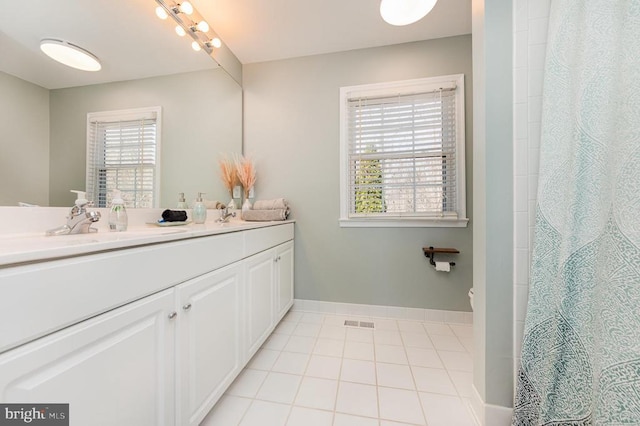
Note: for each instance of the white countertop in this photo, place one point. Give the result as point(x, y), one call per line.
point(34, 246)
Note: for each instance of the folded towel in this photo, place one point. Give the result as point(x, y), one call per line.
point(265, 215)
point(275, 204)
point(174, 215)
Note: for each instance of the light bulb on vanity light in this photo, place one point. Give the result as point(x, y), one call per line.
point(195, 46)
point(186, 8)
point(180, 31)
point(216, 42)
point(202, 26)
point(161, 13)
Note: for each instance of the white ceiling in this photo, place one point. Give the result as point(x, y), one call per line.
point(263, 30)
point(127, 37)
point(132, 42)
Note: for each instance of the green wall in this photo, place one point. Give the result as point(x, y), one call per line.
point(493, 197)
point(24, 142)
point(201, 118)
point(292, 131)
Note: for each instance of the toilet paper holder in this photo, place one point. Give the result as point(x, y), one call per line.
point(429, 252)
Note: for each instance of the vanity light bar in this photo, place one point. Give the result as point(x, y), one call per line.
point(191, 22)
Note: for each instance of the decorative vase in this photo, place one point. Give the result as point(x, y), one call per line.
point(231, 205)
point(246, 206)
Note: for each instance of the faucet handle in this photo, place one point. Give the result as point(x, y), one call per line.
point(79, 209)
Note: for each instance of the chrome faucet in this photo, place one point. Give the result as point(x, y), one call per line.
point(79, 220)
point(225, 215)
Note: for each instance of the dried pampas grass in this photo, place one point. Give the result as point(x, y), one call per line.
point(246, 174)
point(228, 173)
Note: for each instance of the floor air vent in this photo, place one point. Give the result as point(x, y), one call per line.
point(363, 324)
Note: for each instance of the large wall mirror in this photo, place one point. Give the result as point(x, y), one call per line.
point(44, 105)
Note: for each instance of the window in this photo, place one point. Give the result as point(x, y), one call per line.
point(402, 153)
point(123, 152)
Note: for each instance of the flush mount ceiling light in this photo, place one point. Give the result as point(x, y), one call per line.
point(405, 12)
point(70, 55)
point(190, 22)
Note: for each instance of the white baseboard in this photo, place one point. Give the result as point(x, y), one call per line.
point(380, 311)
point(488, 414)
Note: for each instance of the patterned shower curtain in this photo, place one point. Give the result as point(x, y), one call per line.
point(581, 349)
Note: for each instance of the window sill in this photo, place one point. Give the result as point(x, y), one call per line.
point(403, 223)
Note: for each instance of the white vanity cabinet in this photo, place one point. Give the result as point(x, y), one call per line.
point(154, 358)
point(114, 369)
point(283, 279)
point(259, 300)
point(209, 339)
point(269, 285)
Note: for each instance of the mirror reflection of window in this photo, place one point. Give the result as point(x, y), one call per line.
point(123, 150)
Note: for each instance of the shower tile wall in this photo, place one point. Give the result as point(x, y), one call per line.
point(530, 22)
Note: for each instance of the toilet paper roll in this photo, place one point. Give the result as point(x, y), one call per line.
point(443, 266)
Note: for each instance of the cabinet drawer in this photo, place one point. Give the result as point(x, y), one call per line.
point(40, 298)
point(115, 369)
point(258, 240)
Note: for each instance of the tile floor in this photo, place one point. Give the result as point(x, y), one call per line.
point(314, 371)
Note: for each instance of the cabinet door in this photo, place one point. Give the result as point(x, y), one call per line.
point(284, 279)
point(209, 341)
point(114, 369)
point(259, 270)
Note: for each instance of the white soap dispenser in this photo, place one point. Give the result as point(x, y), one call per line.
point(199, 210)
point(118, 215)
point(81, 198)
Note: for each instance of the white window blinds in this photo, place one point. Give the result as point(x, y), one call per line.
point(402, 152)
point(123, 154)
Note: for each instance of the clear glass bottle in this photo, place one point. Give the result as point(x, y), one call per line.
point(118, 220)
point(199, 210)
point(182, 203)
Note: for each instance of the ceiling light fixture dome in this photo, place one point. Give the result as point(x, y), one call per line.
point(405, 12)
point(70, 55)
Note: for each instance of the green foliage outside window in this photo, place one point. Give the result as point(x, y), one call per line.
point(368, 193)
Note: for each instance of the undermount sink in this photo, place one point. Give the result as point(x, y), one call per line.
point(24, 242)
point(40, 241)
point(134, 234)
point(31, 246)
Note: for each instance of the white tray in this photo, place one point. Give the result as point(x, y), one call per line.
point(186, 222)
